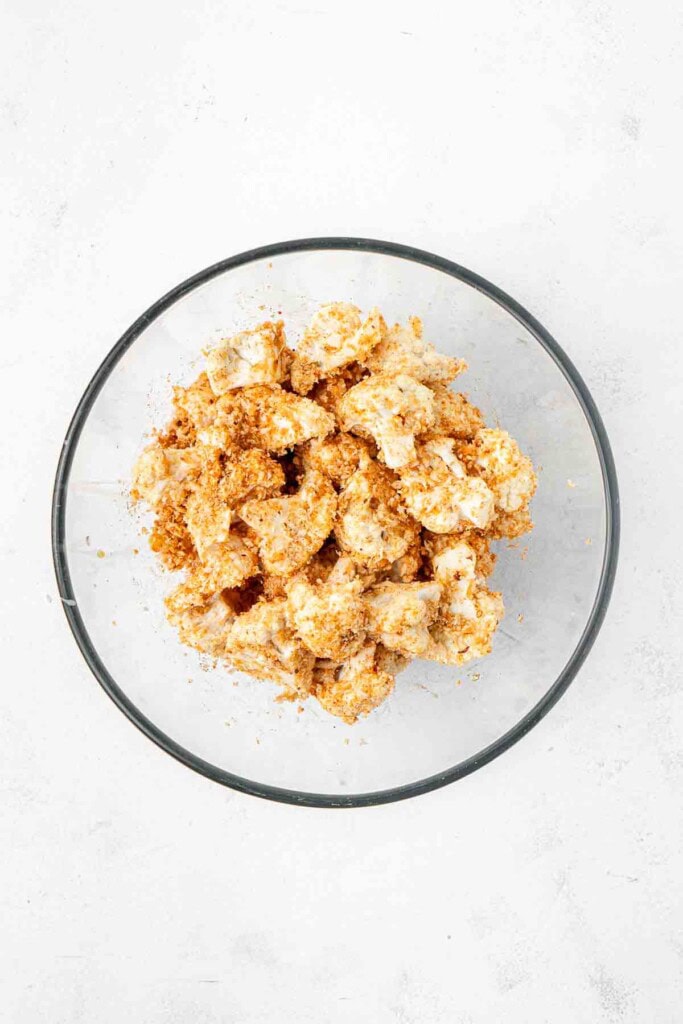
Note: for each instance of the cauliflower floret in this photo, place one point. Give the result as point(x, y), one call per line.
point(329, 618)
point(229, 563)
point(369, 526)
point(437, 545)
point(458, 638)
point(250, 357)
point(469, 612)
point(292, 528)
point(356, 687)
point(262, 644)
point(438, 492)
point(404, 350)
point(163, 472)
point(196, 401)
point(455, 568)
point(399, 615)
point(392, 409)
point(265, 416)
point(508, 473)
point(455, 415)
point(334, 338)
point(337, 456)
point(203, 621)
point(208, 521)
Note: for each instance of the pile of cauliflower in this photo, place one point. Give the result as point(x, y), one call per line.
point(332, 508)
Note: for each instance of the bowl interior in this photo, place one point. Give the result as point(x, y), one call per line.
point(438, 717)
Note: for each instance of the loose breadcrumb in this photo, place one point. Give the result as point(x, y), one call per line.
point(332, 509)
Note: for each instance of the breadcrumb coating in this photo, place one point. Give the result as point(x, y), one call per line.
point(332, 509)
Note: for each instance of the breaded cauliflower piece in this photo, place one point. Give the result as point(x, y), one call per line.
point(334, 338)
point(196, 401)
point(208, 521)
point(336, 456)
point(455, 568)
point(469, 612)
point(162, 473)
point(292, 528)
point(370, 527)
point(329, 617)
point(392, 410)
point(455, 416)
point(267, 417)
point(356, 687)
point(405, 351)
point(203, 621)
point(437, 544)
point(229, 563)
point(439, 493)
point(255, 356)
point(262, 644)
point(399, 615)
point(457, 639)
point(509, 474)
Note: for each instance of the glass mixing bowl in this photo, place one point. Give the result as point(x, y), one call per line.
point(441, 722)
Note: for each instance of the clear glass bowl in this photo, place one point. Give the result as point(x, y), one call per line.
point(441, 722)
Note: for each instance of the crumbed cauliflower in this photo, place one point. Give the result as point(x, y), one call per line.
point(231, 562)
point(334, 338)
point(405, 351)
point(329, 617)
point(508, 473)
point(292, 528)
point(267, 417)
point(337, 456)
point(208, 520)
point(355, 688)
point(202, 621)
point(392, 410)
point(436, 545)
point(399, 614)
point(263, 644)
point(438, 492)
point(369, 526)
point(197, 401)
point(251, 357)
point(468, 612)
point(160, 470)
point(458, 639)
point(454, 415)
point(328, 540)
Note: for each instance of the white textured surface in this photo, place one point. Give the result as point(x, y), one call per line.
point(536, 143)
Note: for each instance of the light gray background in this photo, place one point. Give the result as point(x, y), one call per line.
point(538, 143)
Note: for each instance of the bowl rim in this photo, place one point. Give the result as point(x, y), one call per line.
point(498, 746)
